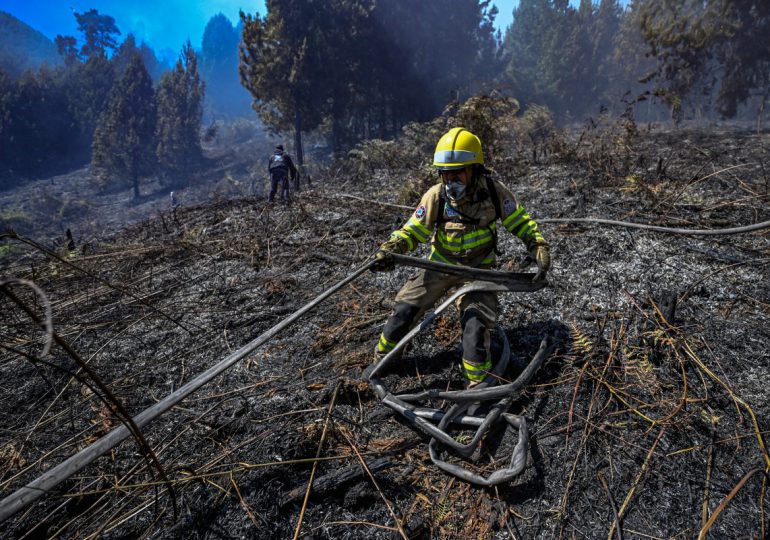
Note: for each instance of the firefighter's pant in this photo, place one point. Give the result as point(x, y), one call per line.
point(276, 178)
point(478, 313)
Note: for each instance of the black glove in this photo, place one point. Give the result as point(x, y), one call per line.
point(383, 261)
point(542, 255)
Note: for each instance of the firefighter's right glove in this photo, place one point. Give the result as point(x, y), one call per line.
point(542, 255)
point(383, 261)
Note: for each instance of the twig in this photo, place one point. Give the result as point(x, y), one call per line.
point(637, 481)
point(317, 455)
point(619, 529)
point(106, 396)
point(726, 501)
point(707, 483)
point(53, 255)
point(376, 486)
point(735, 397)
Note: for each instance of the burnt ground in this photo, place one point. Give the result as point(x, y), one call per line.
point(656, 421)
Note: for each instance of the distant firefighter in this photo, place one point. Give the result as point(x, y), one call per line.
point(280, 166)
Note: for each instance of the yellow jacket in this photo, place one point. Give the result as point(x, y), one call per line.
point(467, 230)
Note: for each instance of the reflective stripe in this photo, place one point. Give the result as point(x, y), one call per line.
point(454, 156)
point(417, 229)
point(385, 345)
point(488, 260)
point(531, 226)
point(522, 225)
point(476, 372)
point(466, 241)
point(405, 236)
point(436, 256)
point(516, 218)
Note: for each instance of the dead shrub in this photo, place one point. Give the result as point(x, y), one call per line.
point(605, 144)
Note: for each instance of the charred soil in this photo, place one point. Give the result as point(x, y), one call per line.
point(647, 421)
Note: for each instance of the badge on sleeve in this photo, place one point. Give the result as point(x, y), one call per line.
point(420, 212)
point(508, 206)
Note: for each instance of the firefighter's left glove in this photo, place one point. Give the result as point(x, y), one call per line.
point(541, 253)
point(383, 261)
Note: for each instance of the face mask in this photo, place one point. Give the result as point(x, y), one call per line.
point(455, 190)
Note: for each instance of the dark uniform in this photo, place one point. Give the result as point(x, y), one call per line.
point(280, 166)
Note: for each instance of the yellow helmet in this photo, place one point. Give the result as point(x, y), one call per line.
point(458, 148)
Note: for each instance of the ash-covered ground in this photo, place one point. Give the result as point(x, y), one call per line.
point(651, 413)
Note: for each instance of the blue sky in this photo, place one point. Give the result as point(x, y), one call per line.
point(163, 24)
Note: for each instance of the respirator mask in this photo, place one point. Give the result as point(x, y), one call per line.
point(455, 190)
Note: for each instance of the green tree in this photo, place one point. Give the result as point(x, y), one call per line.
point(98, 31)
point(125, 52)
point(7, 104)
point(124, 141)
point(38, 123)
point(364, 66)
point(180, 108)
point(281, 64)
point(710, 46)
point(67, 46)
point(561, 56)
point(219, 68)
point(88, 86)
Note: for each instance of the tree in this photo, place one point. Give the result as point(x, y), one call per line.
point(180, 108)
point(98, 31)
point(710, 46)
point(281, 62)
point(560, 56)
point(88, 86)
point(67, 46)
point(219, 67)
point(124, 141)
point(125, 52)
point(363, 65)
point(7, 104)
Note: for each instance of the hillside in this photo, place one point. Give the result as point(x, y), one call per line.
point(22, 47)
point(650, 412)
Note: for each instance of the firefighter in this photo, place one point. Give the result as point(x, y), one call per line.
point(459, 217)
point(280, 166)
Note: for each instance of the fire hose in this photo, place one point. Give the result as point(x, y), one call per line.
point(494, 281)
point(435, 422)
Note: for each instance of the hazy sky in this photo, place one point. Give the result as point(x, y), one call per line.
point(163, 24)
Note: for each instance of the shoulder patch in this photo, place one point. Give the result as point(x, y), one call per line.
point(508, 207)
point(420, 212)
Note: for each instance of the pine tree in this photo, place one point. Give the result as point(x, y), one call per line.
point(124, 144)
point(7, 104)
point(717, 47)
point(281, 64)
point(180, 108)
point(125, 52)
point(98, 31)
point(67, 48)
point(219, 68)
point(364, 66)
point(88, 86)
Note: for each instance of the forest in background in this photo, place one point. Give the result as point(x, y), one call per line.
point(83, 104)
point(354, 70)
